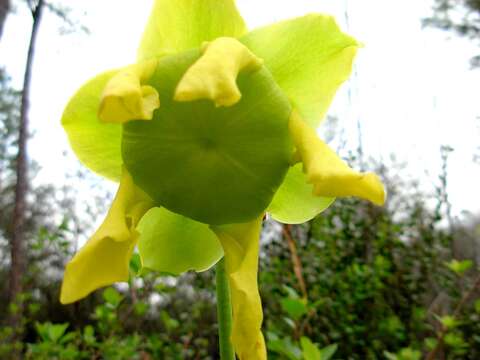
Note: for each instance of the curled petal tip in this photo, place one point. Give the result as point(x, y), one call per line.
point(213, 76)
point(378, 193)
point(222, 95)
point(367, 186)
point(327, 172)
point(126, 98)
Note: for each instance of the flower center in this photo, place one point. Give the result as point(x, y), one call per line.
point(207, 143)
point(213, 164)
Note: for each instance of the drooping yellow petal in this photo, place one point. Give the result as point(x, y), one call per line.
point(105, 258)
point(214, 75)
point(125, 98)
point(240, 244)
point(329, 174)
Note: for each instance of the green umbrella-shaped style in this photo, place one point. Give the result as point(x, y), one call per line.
point(212, 127)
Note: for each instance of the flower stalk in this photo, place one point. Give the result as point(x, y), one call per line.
point(224, 313)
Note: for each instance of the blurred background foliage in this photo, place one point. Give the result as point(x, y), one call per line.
point(358, 282)
point(459, 16)
point(379, 283)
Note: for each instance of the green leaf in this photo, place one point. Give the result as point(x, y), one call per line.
point(42, 330)
point(291, 292)
point(477, 306)
point(112, 296)
point(56, 331)
point(13, 308)
point(327, 352)
point(294, 202)
point(459, 267)
point(449, 322)
point(309, 57)
point(135, 263)
point(96, 144)
point(295, 308)
point(216, 165)
point(431, 343)
point(409, 354)
point(68, 337)
point(140, 308)
point(177, 25)
point(89, 335)
point(404, 354)
point(310, 350)
point(284, 347)
point(173, 243)
point(169, 322)
point(455, 340)
point(390, 356)
point(34, 308)
point(290, 323)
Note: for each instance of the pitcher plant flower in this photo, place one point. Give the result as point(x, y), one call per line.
point(212, 127)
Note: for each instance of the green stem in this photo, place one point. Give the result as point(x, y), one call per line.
point(224, 313)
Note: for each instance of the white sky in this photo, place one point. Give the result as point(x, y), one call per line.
point(412, 88)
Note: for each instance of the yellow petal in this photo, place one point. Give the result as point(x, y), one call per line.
point(240, 244)
point(125, 98)
point(329, 174)
point(105, 258)
point(214, 75)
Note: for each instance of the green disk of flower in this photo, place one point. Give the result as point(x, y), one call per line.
point(217, 165)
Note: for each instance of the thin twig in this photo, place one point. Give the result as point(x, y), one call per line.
point(297, 265)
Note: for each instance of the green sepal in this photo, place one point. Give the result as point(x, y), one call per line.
point(309, 58)
point(96, 144)
point(294, 202)
point(171, 243)
point(178, 25)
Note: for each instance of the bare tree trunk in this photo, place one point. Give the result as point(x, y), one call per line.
point(17, 247)
point(4, 9)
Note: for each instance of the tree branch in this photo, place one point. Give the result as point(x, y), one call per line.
point(297, 264)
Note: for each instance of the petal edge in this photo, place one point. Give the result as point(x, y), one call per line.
point(328, 173)
point(240, 243)
point(96, 144)
point(104, 259)
point(177, 25)
point(309, 57)
point(175, 244)
point(294, 202)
